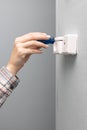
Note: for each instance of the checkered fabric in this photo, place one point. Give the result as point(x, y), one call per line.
point(7, 84)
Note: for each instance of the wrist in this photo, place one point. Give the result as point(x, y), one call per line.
point(13, 69)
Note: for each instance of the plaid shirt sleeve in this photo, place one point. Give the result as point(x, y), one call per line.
point(8, 83)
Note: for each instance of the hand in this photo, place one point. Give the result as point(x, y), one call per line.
point(24, 47)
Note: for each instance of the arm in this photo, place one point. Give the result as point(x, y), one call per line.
point(24, 47)
point(8, 83)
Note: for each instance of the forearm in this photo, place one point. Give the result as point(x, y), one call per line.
point(8, 83)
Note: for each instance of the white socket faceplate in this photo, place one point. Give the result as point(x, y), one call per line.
point(66, 45)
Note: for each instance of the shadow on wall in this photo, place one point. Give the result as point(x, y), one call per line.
point(68, 63)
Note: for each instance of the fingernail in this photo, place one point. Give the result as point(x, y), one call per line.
point(44, 33)
point(48, 36)
point(47, 46)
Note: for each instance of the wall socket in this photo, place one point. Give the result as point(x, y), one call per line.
point(66, 45)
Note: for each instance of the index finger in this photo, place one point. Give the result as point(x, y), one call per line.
point(33, 36)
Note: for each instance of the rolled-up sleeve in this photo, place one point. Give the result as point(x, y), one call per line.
point(8, 83)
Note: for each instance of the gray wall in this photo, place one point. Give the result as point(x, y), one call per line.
point(71, 71)
point(31, 106)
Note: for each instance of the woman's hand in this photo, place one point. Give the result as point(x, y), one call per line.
point(24, 47)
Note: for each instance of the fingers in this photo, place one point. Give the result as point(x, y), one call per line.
point(32, 51)
point(34, 44)
point(32, 47)
point(32, 36)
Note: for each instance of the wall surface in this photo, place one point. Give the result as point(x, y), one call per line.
point(32, 104)
point(71, 71)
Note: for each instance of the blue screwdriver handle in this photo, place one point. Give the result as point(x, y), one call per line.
point(51, 40)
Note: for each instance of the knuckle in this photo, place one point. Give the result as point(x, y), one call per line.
point(33, 42)
point(30, 51)
point(31, 35)
point(19, 49)
point(17, 46)
point(16, 39)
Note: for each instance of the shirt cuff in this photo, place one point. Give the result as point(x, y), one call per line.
point(7, 79)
